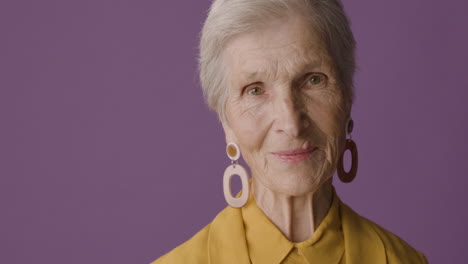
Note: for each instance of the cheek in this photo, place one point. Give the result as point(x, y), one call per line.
point(326, 111)
point(250, 125)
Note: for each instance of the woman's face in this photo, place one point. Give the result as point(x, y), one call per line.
point(284, 110)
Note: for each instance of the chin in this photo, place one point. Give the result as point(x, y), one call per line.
point(297, 186)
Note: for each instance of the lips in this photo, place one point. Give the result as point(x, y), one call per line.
point(294, 151)
point(294, 155)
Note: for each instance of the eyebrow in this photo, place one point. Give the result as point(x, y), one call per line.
point(249, 76)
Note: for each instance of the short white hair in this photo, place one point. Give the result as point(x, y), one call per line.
point(229, 18)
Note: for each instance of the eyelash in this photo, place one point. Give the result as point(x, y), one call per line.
point(323, 79)
point(254, 87)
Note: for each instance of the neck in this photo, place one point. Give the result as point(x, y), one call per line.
point(297, 217)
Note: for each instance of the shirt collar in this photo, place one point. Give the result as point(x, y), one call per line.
point(227, 242)
point(266, 244)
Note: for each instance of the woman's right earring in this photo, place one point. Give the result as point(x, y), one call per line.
point(233, 153)
point(351, 146)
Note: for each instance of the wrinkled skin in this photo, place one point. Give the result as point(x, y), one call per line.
point(283, 95)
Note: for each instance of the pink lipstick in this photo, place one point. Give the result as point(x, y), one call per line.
point(295, 155)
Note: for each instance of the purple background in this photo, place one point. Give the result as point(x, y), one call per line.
point(109, 155)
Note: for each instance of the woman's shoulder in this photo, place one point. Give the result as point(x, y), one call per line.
point(396, 250)
point(193, 250)
point(215, 235)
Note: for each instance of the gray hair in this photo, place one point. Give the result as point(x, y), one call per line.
point(229, 18)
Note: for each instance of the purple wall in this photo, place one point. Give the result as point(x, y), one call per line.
point(108, 154)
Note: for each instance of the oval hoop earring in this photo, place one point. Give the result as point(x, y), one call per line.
point(233, 152)
point(351, 146)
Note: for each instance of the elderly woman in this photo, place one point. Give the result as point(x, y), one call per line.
point(279, 73)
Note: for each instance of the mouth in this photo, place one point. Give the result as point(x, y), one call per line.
point(294, 155)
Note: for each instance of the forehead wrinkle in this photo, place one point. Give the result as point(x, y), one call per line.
point(271, 60)
point(271, 47)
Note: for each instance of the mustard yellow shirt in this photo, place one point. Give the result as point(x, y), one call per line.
point(247, 236)
point(266, 243)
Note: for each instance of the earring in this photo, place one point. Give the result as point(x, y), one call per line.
point(351, 146)
point(233, 153)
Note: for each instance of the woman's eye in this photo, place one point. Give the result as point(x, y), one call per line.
point(317, 79)
point(255, 90)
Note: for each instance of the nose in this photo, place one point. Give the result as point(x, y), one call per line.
point(289, 115)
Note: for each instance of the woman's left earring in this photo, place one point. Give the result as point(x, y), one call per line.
point(233, 153)
point(351, 146)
